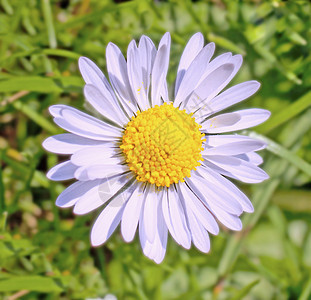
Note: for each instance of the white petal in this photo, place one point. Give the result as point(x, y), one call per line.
point(135, 74)
point(101, 193)
point(228, 98)
point(217, 169)
point(248, 118)
point(194, 73)
point(217, 75)
point(199, 235)
point(193, 47)
point(227, 186)
point(145, 244)
point(55, 110)
point(117, 71)
point(147, 53)
point(166, 40)
point(219, 140)
point(131, 213)
point(105, 106)
point(72, 193)
point(94, 76)
point(220, 60)
point(212, 195)
point(159, 71)
point(99, 171)
point(220, 123)
point(210, 87)
point(158, 76)
point(166, 214)
point(232, 222)
point(68, 143)
point(107, 221)
point(229, 220)
point(89, 201)
point(178, 219)
point(62, 171)
point(198, 209)
point(161, 236)
point(156, 250)
point(85, 125)
point(251, 117)
point(251, 157)
point(102, 155)
point(234, 148)
point(239, 168)
point(150, 212)
point(216, 63)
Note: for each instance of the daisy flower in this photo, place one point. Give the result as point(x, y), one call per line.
point(153, 163)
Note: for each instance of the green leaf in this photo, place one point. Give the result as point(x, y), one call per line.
point(31, 283)
point(61, 53)
point(40, 84)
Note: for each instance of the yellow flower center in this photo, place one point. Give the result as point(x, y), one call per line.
point(162, 145)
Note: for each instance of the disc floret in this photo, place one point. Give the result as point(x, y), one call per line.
point(162, 145)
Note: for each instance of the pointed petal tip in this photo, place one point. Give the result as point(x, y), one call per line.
point(212, 45)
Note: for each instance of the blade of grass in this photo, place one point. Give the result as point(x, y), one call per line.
point(306, 291)
point(245, 290)
point(225, 43)
point(288, 113)
point(283, 153)
point(261, 197)
point(30, 174)
point(7, 7)
point(48, 17)
point(284, 200)
point(2, 199)
point(3, 219)
point(23, 169)
point(48, 51)
point(36, 117)
point(94, 16)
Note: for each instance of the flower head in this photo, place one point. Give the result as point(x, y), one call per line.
point(158, 164)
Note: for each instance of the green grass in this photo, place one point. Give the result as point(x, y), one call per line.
point(45, 252)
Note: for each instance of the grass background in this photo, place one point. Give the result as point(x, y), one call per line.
point(45, 252)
